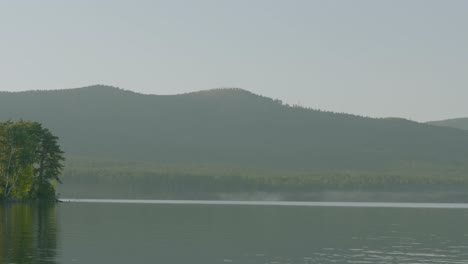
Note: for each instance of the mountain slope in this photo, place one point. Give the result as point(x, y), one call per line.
point(460, 123)
point(230, 126)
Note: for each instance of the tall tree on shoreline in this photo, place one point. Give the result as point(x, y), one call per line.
point(49, 158)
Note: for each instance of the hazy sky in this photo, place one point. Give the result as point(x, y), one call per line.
point(405, 58)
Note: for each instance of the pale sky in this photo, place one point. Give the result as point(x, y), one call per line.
point(406, 58)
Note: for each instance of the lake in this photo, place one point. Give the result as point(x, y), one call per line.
point(94, 231)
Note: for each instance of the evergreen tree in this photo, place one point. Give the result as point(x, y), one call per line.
point(49, 164)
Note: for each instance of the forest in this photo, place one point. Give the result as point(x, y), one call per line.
point(95, 178)
point(30, 161)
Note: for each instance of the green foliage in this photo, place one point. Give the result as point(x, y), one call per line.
point(30, 160)
point(24, 184)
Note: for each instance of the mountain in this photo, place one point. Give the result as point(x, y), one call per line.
point(460, 123)
point(229, 126)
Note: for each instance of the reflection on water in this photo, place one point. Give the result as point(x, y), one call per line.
point(216, 233)
point(28, 233)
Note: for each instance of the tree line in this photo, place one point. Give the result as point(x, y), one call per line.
point(94, 178)
point(30, 161)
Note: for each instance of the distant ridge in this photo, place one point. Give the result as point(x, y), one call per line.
point(98, 87)
point(229, 126)
point(114, 89)
point(460, 123)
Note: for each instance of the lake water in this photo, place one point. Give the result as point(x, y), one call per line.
point(95, 231)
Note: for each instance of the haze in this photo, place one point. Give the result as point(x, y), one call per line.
point(372, 58)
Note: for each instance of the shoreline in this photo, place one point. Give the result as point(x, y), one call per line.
point(19, 201)
point(275, 203)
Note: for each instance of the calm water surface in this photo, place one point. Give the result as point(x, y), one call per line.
point(96, 232)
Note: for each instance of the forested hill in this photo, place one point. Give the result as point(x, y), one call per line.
point(228, 126)
point(460, 123)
